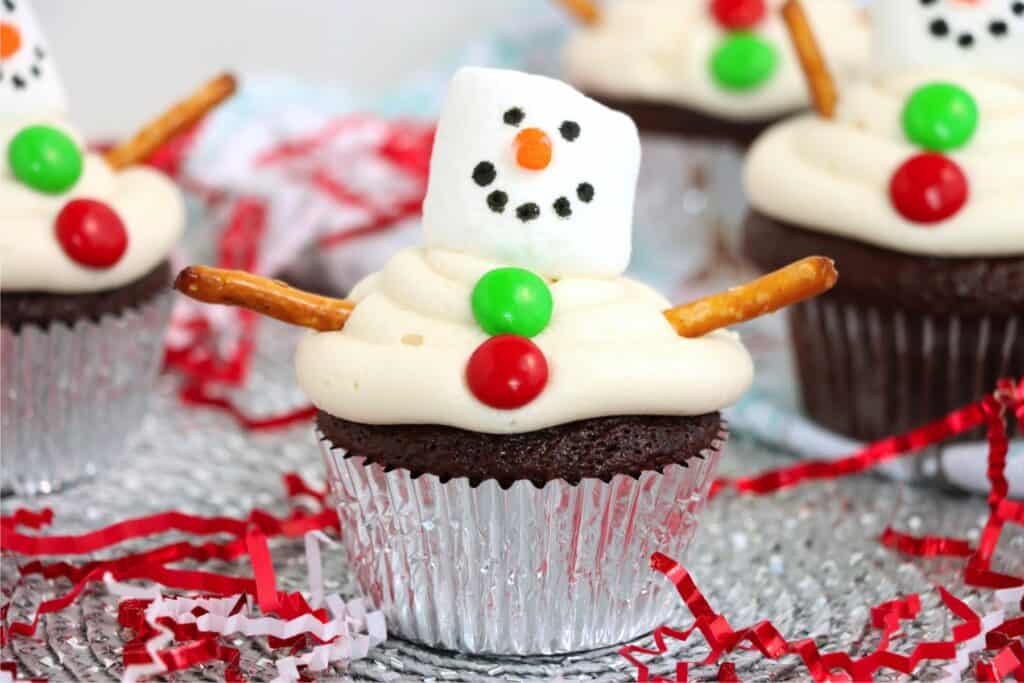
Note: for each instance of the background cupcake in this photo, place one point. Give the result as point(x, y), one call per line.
point(83, 278)
point(914, 188)
point(702, 78)
point(716, 71)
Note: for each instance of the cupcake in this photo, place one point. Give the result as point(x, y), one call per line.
point(510, 426)
point(701, 78)
point(915, 187)
point(83, 278)
point(707, 70)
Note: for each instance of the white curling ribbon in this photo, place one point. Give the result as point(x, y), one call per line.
point(161, 640)
point(1007, 600)
point(353, 629)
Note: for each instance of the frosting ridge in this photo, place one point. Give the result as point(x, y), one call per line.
point(401, 358)
point(833, 175)
point(31, 258)
point(658, 50)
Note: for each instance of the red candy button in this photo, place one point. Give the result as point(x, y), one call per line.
point(928, 188)
point(735, 15)
point(507, 372)
point(91, 233)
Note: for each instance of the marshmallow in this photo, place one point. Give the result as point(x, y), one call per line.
point(29, 83)
point(955, 33)
point(529, 172)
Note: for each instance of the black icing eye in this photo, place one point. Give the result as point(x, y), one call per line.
point(570, 130)
point(965, 40)
point(497, 201)
point(514, 116)
point(562, 207)
point(939, 28)
point(1018, 9)
point(9, 4)
point(528, 212)
point(585, 192)
point(998, 28)
point(484, 174)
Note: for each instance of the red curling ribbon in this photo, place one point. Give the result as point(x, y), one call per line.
point(926, 546)
point(11, 668)
point(765, 638)
point(263, 569)
point(151, 564)
point(877, 453)
point(201, 395)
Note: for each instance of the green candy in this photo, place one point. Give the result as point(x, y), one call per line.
point(940, 117)
point(512, 301)
point(45, 159)
point(743, 61)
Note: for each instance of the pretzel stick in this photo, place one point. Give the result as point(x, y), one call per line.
point(585, 11)
point(794, 283)
point(265, 296)
point(172, 123)
point(812, 60)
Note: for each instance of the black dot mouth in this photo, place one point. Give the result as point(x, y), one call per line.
point(497, 201)
point(528, 212)
point(485, 174)
point(997, 27)
point(20, 81)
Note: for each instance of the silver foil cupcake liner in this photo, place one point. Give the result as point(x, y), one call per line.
point(868, 372)
point(72, 394)
point(523, 570)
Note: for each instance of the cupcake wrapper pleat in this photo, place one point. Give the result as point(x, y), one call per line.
point(869, 372)
point(71, 394)
point(523, 570)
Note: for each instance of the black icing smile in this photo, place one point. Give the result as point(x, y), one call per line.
point(485, 174)
point(999, 26)
point(20, 80)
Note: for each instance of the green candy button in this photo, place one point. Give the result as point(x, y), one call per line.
point(940, 117)
point(512, 301)
point(45, 159)
point(743, 61)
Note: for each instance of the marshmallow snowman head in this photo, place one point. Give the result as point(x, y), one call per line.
point(922, 33)
point(28, 78)
point(529, 172)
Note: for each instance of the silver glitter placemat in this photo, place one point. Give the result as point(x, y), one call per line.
point(807, 559)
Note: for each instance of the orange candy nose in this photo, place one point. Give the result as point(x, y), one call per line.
point(533, 149)
point(10, 40)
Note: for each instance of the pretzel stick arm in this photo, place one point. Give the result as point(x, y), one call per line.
point(819, 79)
point(264, 296)
point(172, 123)
point(585, 11)
point(796, 282)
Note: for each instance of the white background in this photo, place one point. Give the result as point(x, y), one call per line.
point(125, 60)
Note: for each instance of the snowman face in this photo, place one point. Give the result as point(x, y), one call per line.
point(984, 33)
point(28, 79)
point(529, 172)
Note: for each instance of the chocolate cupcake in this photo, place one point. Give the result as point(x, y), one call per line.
point(717, 72)
point(510, 426)
point(83, 280)
point(702, 79)
point(914, 188)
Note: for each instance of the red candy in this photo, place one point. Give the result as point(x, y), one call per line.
point(91, 233)
point(929, 188)
point(735, 15)
point(507, 372)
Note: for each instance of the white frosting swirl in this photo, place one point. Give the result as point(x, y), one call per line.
point(402, 356)
point(31, 258)
point(659, 50)
point(833, 175)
